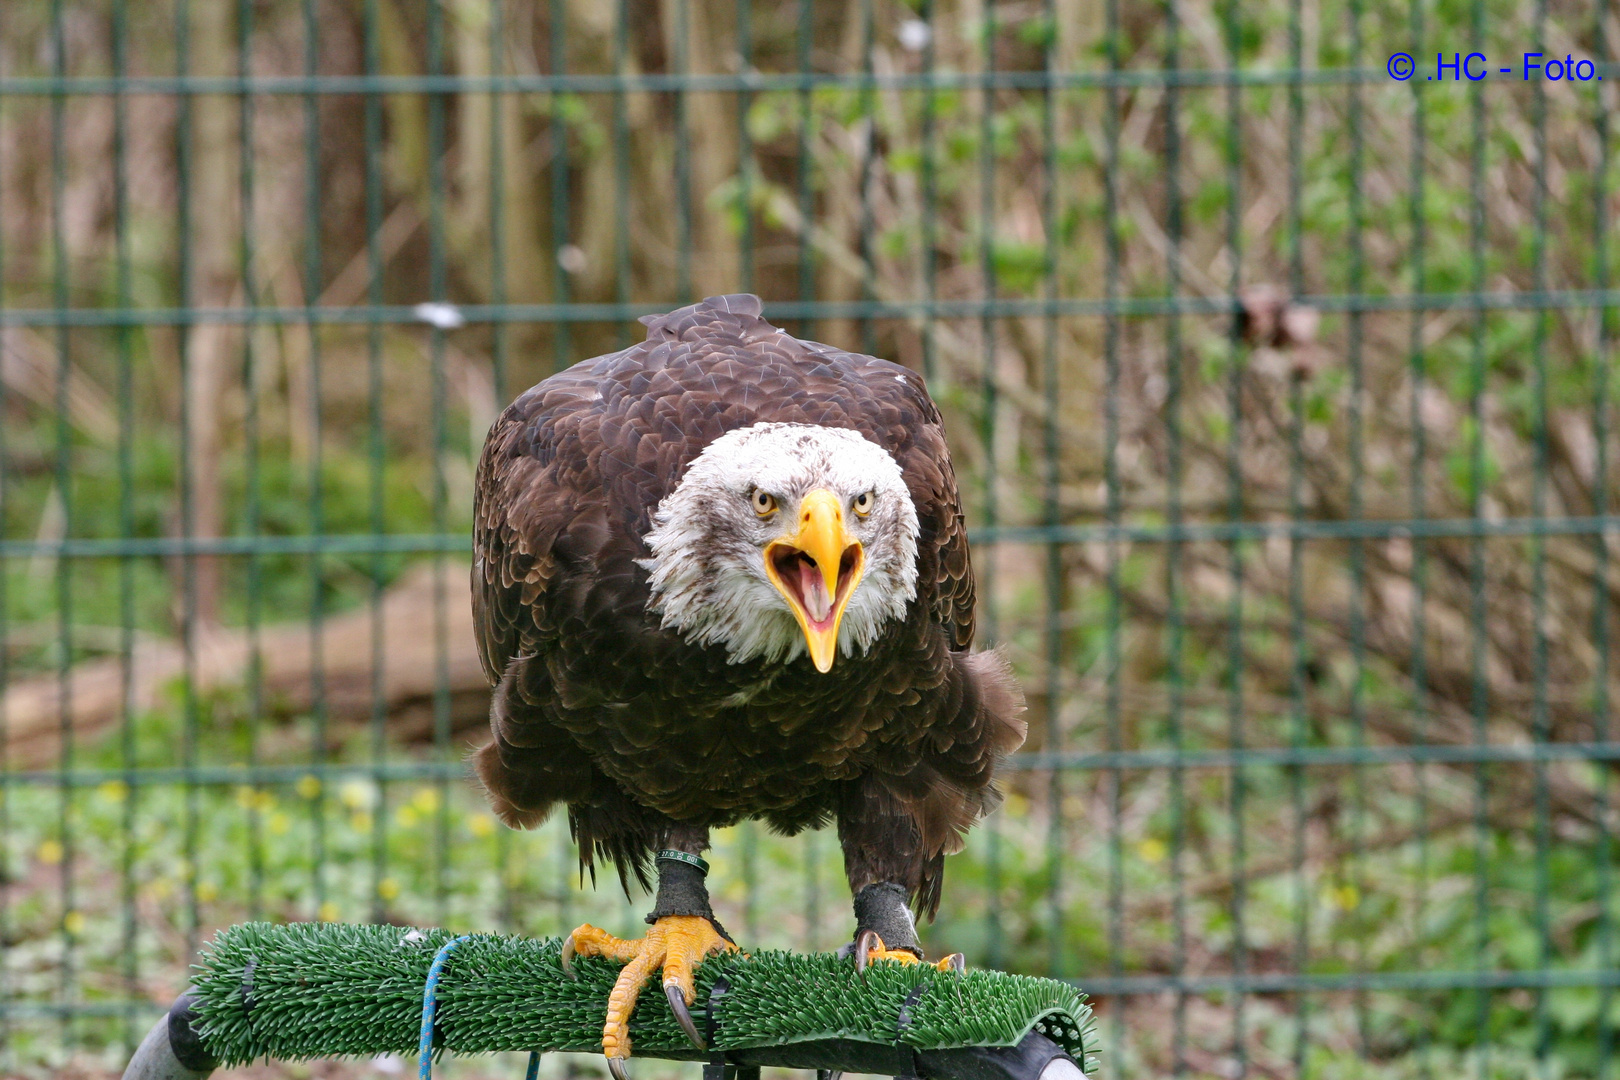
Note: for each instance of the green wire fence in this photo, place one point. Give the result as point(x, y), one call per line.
point(1279, 391)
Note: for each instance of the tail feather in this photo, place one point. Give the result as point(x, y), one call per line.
point(1001, 700)
point(516, 794)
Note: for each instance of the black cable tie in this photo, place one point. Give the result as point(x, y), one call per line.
point(903, 1020)
point(716, 1068)
point(247, 993)
point(711, 1021)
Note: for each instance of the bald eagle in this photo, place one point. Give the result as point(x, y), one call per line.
point(723, 575)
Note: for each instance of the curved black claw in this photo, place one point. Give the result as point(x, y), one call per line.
point(617, 1067)
point(683, 1016)
point(956, 962)
point(567, 958)
point(865, 942)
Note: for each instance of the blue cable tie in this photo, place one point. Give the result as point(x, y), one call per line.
point(424, 1053)
point(534, 1066)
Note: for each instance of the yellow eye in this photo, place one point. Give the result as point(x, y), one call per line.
point(863, 503)
point(764, 503)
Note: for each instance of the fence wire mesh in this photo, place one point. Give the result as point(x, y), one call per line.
point(1279, 390)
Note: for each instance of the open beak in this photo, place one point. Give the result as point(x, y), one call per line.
point(816, 569)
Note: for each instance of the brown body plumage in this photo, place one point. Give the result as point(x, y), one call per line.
point(635, 729)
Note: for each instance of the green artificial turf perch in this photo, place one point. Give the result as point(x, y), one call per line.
point(308, 990)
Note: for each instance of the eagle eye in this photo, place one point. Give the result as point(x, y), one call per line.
point(764, 502)
point(863, 503)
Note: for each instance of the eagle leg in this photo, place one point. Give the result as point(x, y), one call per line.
point(683, 933)
point(890, 859)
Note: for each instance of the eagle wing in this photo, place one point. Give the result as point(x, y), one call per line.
point(530, 508)
point(928, 466)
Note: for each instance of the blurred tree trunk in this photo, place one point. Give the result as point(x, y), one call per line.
point(527, 276)
point(407, 114)
point(839, 280)
point(600, 216)
point(711, 127)
point(215, 222)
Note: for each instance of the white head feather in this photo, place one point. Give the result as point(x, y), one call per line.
point(708, 567)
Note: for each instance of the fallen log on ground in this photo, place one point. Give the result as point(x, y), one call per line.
point(292, 670)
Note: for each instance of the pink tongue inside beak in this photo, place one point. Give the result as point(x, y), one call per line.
point(813, 588)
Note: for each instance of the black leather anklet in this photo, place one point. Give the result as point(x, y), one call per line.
point(881, 907)
point(681, 890)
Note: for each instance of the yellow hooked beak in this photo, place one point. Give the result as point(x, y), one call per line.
point(815, 569)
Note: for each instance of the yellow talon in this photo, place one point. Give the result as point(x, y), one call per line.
point(869, 947)
point(674, 944)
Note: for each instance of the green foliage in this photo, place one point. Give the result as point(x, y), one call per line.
point(1020, 265)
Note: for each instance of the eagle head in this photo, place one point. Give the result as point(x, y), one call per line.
point(785, 538)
